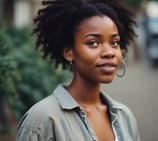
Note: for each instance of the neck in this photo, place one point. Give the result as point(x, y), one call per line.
point(85, 93)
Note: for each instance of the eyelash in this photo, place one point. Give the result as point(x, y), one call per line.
point(115, 43)
point(93, 43)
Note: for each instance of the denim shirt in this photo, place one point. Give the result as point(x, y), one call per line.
point(59, 117)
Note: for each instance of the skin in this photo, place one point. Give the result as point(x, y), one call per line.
point(96, 56)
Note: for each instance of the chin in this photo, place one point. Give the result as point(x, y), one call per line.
point(107, 80)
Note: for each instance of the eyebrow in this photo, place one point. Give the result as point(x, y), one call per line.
point(115, 35)
point(99, 36)
point(92, 34)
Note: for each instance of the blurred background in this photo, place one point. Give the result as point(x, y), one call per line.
point(25, 77)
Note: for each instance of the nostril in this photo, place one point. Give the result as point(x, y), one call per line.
point(108, 54)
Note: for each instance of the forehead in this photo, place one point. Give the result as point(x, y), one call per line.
point(97, 24)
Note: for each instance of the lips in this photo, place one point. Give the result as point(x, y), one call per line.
point(108, 67)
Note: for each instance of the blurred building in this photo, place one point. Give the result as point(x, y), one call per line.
point(18, 12)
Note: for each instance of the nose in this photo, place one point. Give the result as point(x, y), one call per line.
point(107, 52)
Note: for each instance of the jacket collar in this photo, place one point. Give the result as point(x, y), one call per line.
point(66, 101)
point(64, 98)
point(112, 104)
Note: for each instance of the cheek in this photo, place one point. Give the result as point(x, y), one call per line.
point(119, 56)
point(84, 54)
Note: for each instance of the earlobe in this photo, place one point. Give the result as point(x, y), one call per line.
point(68, 54)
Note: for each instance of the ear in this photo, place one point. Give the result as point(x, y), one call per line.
point(68, 53)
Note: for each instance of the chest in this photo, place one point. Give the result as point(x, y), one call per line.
point(100, 121)
point(85, 126)
point(79, 126)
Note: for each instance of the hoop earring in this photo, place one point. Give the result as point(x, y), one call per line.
point(122, 66)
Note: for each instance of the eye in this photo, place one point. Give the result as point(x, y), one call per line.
point(93, 43)
point(115, 43)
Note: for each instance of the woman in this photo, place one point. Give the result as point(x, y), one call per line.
point(90, 37)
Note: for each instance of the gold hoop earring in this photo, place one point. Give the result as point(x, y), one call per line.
point(122, 66)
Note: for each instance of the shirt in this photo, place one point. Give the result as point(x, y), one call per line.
point(59, 117)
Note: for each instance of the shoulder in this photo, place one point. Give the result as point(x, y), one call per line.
point(41, 113)
point(125, 112)
point(124, 115)
point(50, 108)
point(126, 119)
point(38, 121)
point(44, 107)
point(118, 107)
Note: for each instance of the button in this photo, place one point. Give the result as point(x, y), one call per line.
point(83, 114)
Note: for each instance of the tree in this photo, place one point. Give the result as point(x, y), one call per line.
point(24, 76)
point(8, 76)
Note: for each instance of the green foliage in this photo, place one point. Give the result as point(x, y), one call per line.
point(134, 3)
point(9, 76)
point(8, 66)
point(32, 78)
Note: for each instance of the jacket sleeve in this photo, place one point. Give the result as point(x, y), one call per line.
point(25, 134)
point(35, 129)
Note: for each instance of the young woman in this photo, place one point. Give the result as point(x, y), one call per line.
point(91, 37)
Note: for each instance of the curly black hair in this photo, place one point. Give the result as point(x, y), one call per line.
point(57, 21)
